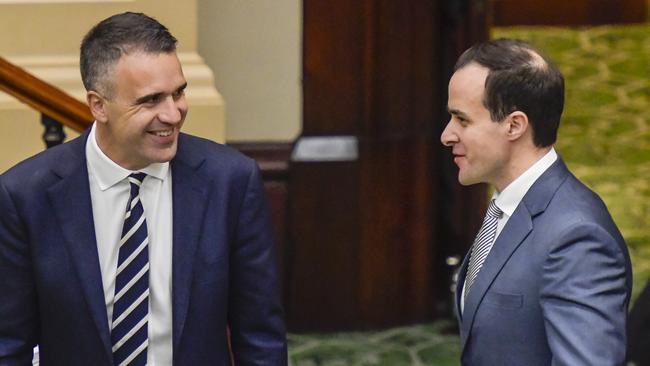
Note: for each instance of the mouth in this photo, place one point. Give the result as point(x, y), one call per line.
point(163, 138)
point(162, 133)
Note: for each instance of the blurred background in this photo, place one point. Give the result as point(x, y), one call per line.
point(341, 103)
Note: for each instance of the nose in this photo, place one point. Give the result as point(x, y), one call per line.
point(172, 111)
point(448, 136)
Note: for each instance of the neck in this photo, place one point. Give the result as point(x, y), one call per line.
point(519, 163)
point(107, 147)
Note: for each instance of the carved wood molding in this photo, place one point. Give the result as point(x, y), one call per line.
point(44, 97)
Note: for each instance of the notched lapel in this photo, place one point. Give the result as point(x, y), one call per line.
point(189, 191)
point(516, 230)
point(70, 198)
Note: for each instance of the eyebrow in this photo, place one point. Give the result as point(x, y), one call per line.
point(148, 97)
point(182, 87)
point(457, 112)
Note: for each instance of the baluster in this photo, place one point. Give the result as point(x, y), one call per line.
point(53, 134)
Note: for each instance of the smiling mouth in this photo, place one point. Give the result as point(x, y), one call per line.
point(164, 133)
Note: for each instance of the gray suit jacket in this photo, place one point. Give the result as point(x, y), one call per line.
point(555, 288)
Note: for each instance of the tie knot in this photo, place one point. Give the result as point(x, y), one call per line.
point(493, 210)
point(135, 179)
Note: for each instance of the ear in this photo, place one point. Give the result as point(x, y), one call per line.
point(517, 123)
point(97, 105)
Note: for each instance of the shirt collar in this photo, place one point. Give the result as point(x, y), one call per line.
point(107, 172)
point(508, 199)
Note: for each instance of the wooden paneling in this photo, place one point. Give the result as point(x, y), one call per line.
point(361, 231)
point(365, 235)
point(562, 12)
point(333, 48)
point(363, 242)
point(324, 220)
point(398, 231)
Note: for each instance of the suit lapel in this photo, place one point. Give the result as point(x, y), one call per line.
point(70, 199)
point(514, 233)
point(189, 191)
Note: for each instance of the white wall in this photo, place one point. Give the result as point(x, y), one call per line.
point(254, 50)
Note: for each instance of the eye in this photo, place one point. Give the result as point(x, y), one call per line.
point(177, 94)
point(149, 99)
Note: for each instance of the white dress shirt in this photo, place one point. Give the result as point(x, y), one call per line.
point(109, 193)
point(508, 199)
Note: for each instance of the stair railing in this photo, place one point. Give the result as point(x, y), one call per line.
point(57, 108)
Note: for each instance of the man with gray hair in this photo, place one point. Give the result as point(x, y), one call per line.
point(135, 243)
point(548, 278)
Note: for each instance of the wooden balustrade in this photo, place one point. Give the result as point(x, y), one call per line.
point(43, 97)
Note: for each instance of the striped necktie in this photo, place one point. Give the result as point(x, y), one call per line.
point(482, 244)
point(131, 304)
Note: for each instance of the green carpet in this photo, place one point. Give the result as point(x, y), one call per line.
point(604, 138)
point(416, 345)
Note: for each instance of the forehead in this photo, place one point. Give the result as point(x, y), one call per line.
point(141, 73)
point(468, 82)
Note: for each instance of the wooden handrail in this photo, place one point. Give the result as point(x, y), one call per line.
point(44, 97)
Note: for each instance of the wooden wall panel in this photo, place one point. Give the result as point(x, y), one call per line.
point(366, 238)
point(365, 235)
point(333, 44)
point(562, 12)
point(363, 230)
point(324, 219)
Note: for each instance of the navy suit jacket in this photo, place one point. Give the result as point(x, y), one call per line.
point(223, 272)
point(555, 287)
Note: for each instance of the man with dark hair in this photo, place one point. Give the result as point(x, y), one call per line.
point(548, 278)
point(136, 244)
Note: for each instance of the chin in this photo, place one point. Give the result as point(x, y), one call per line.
point(466, 181)
point(167, 158)
point(164, 156)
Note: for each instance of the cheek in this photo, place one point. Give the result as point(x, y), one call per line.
point(480, 152)
point(183, 111)
point(136, 126)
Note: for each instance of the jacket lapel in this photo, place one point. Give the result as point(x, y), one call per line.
point(70, 199)
point(514, 233)
point(189, 191)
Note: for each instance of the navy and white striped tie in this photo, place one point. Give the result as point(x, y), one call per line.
point(482, 244)
point(131, 304)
